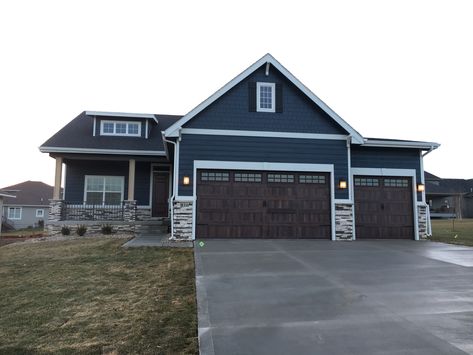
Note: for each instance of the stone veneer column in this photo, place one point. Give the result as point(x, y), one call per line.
point(129, 210)
point(55, 216)
point(422, 221)
point(343, 221)
point(182, 220)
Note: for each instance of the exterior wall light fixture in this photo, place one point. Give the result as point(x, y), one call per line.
point(186, 180)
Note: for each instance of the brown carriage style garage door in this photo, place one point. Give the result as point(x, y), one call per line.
point(383, 207)
point(262, 204)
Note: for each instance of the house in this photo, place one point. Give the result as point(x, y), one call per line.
point(3, 195)
point(29, 207)
point(263, 157)
point(449, 198)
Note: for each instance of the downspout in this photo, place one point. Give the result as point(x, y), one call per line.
point(427, 208)
point(174, 177)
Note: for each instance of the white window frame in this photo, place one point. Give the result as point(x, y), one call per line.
point(273, 97)
point(40, 214)
point(122, 192)
point(103, 122)
point(14, 218)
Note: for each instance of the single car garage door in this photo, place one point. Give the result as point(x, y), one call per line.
point(383, 207)
point(260, 204)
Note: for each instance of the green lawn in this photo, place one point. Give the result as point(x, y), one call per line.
point(453, 231)
point(91, 296)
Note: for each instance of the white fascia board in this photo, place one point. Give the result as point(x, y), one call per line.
point(173, 131)
point(224, 132)
point(121, 114)
point(2, 194)
point(101, 151)
point(400, 144)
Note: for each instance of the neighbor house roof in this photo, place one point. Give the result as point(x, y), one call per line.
point(28, 193)
point(439, 186)
point(77, 136)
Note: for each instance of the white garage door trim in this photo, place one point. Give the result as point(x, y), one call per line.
point(389, 172)
point(243, 165)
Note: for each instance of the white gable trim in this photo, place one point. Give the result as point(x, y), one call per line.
point(173, 131)
point(121, 114)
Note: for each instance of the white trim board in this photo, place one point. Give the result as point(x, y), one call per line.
point(224, 132)
point(44, 149)
point(400, 144)
point(391, 172)
point(238, 165)
point(173, 130)
point(121, 114)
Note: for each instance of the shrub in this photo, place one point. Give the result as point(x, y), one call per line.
point(65, 230)
point(41, 223)
point(81, 230)
point(107, 229)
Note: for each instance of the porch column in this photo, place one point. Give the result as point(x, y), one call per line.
point(57, 179)
point(131, 180)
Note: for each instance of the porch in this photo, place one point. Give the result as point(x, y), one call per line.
point(131, 195)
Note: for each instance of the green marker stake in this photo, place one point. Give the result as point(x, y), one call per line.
point(201, 244)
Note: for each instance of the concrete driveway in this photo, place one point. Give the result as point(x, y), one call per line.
point(322, 297)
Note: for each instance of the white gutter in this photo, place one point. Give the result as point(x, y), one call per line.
point(431, 149)
point(175, 178)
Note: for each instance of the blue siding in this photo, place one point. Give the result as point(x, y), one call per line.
point(391, 158)
point(255, 149)
point(77, 169)
point(299, 114)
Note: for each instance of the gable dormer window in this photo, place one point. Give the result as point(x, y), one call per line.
point(120, 128)
point(266, 97)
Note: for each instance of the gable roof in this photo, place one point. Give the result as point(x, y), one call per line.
point(28, 193)
point(173, 130)
point(77, 136)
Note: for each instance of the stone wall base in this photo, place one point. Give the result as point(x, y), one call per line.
point(93, 227)
point(422, 221)
point(182, 220)
point(343, 221)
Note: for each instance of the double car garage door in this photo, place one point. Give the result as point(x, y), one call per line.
point(263, 204)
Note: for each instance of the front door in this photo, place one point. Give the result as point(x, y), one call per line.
point(160, 203)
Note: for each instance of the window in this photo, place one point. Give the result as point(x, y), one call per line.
point(215, 176)
point(40, 213)
point(14, 213)
point(265, 97)
point(247, 177)
point(311, 179)
point(366, 182)
point(396, 183)
point(280, 178)
point(120, 128)
point(104, 190)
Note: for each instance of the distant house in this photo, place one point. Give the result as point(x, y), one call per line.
point(30, 207)
point(449, 198)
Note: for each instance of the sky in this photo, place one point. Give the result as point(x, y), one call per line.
point(391, 69)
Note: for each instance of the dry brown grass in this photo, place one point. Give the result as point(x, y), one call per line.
point(453, 231)
point(93, 297)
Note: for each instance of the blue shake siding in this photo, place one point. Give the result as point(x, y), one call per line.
point(299, 114)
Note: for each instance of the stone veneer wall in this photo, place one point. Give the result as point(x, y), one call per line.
point(182, 220)
point(422, 221)
point(143, 214)
point(343, 221)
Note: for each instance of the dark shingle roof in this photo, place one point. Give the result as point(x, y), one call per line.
point(436, 185)
point(78, 134)
point(33, 193)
